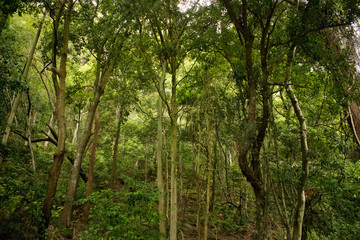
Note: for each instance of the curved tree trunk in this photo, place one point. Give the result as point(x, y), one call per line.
point(89, 184)
point(99, 87)
point(301, 199)
point(300, 205)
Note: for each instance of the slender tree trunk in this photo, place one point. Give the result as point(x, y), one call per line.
point(11, 119)
point(167, 187)
point(208, 178)
point(213, 185)
point(300, 205)
point(99, 88)
point(198, 179)
point(71, 193)
point(159, 147)
point(49, 94)
point(77, 129)
point(23, 79)
point(60, 114)
point(28, 135)
point(174, 153)
point(281, 203)
point(89, 184)
point(51, 124)
point(116, 152)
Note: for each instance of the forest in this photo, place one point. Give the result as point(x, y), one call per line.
point(179, 119)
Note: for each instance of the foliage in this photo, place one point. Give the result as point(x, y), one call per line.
point(21, 191)
point(208, 52)
point(123, 214)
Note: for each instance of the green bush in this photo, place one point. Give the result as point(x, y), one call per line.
point(21, 194)
point(123, 215)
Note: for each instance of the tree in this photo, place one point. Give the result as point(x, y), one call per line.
point(114, 38)
point(212, 125)
point(263, 37)
point(159, 155)
point(169, 32)
point(59, 81)
point(89, 185)
point(18, 95)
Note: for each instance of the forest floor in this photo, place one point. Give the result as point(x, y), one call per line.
point(190, 234)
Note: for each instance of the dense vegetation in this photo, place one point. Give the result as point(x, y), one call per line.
point(168, 119)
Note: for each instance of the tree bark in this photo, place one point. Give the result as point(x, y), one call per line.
point(77, 129)
point(89, 185)
point(115, 152)
point(213, 172)
point(28, 134)
point(174, 153)
point(60, 115)
point(159, 159)
point(208, 176)
point(198, 179)
point(51, 124)
point(11, 119)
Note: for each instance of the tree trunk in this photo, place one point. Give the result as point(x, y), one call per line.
point(60, 115)
point(281, 207)
point(174, 153)
point(213, 185)
point(23, 79)
point(71, 193)
point(254, 134)
point(99, 88)
point(261, 215)
point(160, 177)
point(198, 179)
point(11, 119)
point(116, 152)
point(51, 124)
point(208, 177)
point(300, 204)
point(49, 94)
point(89, 185)
point(77, 129)
point(28, 135)
point(167, 187)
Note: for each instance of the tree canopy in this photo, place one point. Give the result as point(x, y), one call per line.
point(168, 119)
